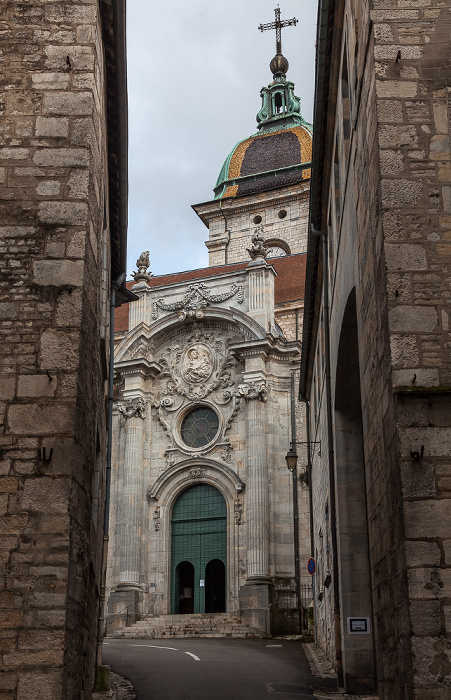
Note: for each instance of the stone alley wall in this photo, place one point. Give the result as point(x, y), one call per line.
point(54, 254)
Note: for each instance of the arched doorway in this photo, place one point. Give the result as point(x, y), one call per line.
point(199, 550)
point(184, 587)
point(352, 509)
point(215, 586)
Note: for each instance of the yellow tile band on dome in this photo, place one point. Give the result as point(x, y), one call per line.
point(231, 191)
point(236, 161)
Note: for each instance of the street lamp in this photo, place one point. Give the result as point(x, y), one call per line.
point(291, 458)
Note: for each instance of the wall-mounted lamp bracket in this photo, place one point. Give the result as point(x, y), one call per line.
point(314, 446)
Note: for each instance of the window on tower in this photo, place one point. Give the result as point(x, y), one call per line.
point(278, 101)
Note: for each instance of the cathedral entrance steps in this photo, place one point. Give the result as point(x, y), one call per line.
point(217, 625)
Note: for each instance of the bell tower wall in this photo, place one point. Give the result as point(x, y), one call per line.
point(282, 214)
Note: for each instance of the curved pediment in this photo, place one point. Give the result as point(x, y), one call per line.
point(136, 344)
point(191, 471)
point(143, 340)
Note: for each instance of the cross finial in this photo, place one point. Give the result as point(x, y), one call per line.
point(277, 25)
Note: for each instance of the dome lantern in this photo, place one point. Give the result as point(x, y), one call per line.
point(280, 153)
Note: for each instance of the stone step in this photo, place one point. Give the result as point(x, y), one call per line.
point(196, 625)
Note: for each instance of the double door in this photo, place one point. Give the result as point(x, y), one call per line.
point(199, 551)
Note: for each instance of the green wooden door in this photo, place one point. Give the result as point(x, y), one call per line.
point(199, 535)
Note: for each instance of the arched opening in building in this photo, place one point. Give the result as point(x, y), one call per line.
point(199, 538)
point(184, 579)
point(215, 578)
point(278, 102)
point(352, 513)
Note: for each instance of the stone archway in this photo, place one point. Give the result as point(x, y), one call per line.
point(163, 496)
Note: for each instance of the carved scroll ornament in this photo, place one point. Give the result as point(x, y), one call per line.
point(253, 391)
point(157, 518)
point(133, 408)
point(198, 473)
point(238, 512)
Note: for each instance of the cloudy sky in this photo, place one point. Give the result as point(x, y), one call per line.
point(195, 69)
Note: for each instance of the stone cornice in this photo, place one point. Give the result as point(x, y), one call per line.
point(266, 348)
point(215, 209)
point(140, 366)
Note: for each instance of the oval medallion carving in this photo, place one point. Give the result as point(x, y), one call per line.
point(197, 364)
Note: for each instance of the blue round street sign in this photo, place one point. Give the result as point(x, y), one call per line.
point(311, 566)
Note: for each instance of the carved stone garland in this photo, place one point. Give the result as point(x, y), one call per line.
point(195, 299)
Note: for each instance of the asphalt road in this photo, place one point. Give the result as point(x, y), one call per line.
point(211, 669)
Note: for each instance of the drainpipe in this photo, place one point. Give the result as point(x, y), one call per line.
point(106, 520)
point(310, 495)
point(225, 231)
point(297, 571)
point(331, 454)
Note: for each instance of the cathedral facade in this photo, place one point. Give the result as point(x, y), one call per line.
point(202, 500)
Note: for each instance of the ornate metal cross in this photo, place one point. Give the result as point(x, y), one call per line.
point(277, 25)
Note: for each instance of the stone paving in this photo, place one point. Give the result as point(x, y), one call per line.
point(120, 689)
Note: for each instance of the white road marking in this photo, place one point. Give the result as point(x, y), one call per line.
point(274, 645)
point(196, 658)
point(153, 646)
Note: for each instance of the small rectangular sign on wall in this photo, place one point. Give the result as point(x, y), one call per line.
point(201, 583)
point(358, 625)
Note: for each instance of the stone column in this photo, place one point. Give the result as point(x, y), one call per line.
point(255, 595)
point(257, 495)
point(125, 601)
point(134, 412)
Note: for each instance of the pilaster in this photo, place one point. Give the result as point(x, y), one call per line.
point(140, 310)
point(253, 391)
point(134, 413)
point(261, 292)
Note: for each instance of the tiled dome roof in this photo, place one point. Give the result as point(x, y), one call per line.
point(272, 158)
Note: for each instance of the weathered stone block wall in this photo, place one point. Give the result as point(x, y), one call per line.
point(413, 87)
point(388, 233)
point(51, 356)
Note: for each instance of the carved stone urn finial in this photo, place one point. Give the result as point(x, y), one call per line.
point(142, 264)
point(258, 250)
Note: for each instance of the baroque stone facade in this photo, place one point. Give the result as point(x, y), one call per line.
point(204, 346)
point(375, 359)
point(204, 377)
point(63, 218)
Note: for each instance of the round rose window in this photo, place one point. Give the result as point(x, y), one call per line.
point(199, 427)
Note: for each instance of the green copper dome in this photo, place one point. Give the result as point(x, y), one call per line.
point(280, 153)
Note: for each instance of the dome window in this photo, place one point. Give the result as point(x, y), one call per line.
point(282, 214)
point(257, 219)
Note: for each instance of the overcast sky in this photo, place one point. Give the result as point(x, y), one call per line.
point(195, 70)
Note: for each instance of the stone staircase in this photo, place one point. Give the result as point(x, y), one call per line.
point(217, 625)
